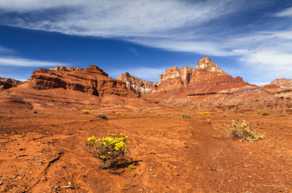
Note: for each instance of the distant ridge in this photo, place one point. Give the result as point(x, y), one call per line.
point(6, 83)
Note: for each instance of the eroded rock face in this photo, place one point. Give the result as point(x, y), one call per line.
point(206, 64)
point(174, 78)
point(92, 80)
point(283, 83)
point(206, 77)
point(280, 87)
point(6, 83)
point(138, 85)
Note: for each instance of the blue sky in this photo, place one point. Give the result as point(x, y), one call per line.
point(249, 38)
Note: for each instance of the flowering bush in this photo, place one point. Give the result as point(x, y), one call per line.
point(241, 130)
point(112, 150)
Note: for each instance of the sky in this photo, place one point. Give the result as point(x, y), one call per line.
point(248, 38)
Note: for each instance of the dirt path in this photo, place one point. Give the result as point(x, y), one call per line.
point(226, 165)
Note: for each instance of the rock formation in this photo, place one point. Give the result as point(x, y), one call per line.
point(138, 85)
point(6, 83)
point(283, 83)
point(207, 77)
point(174, 78)
point(280, 87)
point(92, 80)
point(205, 63)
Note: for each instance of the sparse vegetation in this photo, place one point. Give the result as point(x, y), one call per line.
point(102, 116)
point(205, 113)
point(112, 150)
point(263, 113)
point(186, 116)
point(86, 111)
point(240, 129)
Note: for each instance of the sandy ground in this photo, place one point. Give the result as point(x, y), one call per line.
point(42, 147)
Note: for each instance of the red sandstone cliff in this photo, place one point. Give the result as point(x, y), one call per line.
point(92, 80)
point(6, 83)
point(207, 77)
point(138, 85)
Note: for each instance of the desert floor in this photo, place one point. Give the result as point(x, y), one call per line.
point(42, 147)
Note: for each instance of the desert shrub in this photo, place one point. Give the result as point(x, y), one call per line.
point(112, 150)
point(92, 141)
point(186, 117)
point(86, 111)
point(240, 129)
point(204, 113)
point(263, 113)
point(102, 116)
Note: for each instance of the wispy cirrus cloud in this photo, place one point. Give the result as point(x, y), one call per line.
point(22, 6)
point(8, 57)
point(4, 50)
point(138, 18)
point(25, 62)
point(285, 13)
point(194, 46)
point(175, 25)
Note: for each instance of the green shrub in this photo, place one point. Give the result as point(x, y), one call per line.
point(240, 129)
point(112, 150)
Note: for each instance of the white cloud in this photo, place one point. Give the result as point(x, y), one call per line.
point(193, 46)
point(35, 5)
point(285, 13)
point(270, 58)
point(264, 55)
point(4, 50)
point(268, 64)
point(176, 25)
point(148, 22)
point(24, 62)
point(120, 18)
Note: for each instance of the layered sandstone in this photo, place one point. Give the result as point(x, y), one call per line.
point(280, 87)
point(208, 77)
point(283, 83)
point(174, 78)
point(206, 64)
point(6, 83)
point(205, 78)
point(138, 85)
point(92, 80)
